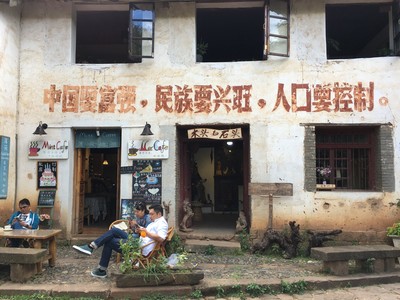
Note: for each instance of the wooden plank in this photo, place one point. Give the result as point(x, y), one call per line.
point(276, 189)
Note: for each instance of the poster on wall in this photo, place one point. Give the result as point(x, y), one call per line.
point(146, 181)
point(47, 174)
point(128, 209)
point(4, 161)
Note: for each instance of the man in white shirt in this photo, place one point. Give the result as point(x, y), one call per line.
point(156, 231)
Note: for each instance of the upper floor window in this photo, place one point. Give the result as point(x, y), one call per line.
point(120, 34)
point(242, 31)
point(360, 30)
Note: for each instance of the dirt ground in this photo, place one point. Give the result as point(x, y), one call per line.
point(73, 267)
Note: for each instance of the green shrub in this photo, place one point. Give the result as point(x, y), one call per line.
point(210, 250)
point(297, 287)
point(394, 229)
point(176, 245)
point(255, 290)
point(196, 294)
point(244, 239)
point(220, 292)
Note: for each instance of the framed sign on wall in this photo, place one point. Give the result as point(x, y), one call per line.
point(46, 198)
point(47, 174)
point(4, 162)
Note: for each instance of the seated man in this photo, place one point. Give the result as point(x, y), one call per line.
point(156, 231)
point(142, 220)
point(23, 219)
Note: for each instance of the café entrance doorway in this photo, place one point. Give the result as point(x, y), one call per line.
point(96, 194)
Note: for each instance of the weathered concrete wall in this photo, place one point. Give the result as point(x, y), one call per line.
point(9, 81)
point(276, 135)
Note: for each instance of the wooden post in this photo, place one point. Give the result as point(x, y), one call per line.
point(270, 211)
point(270, 189)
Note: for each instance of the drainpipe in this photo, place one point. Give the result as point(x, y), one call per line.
point(15, 172)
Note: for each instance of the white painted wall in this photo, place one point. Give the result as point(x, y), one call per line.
point(276, 137)
point(9, 75)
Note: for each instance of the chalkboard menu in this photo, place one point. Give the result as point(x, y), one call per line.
point(46, 198)
point(146, 183)
point(4, 161)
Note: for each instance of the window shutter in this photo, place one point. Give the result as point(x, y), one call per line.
point(277, 28)
point(396, 27)
point(141, 31)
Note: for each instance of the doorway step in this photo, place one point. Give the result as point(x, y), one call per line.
point(202, 246)
point(81, 239)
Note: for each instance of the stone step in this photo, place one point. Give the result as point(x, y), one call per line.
point(82, 239)
point(200, 246)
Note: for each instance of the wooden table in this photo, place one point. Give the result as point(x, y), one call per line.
point(39, 237)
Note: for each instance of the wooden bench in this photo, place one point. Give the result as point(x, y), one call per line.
point(372, 258)
point(22, 261)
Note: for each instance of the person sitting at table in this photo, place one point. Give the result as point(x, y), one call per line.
point(142, 219)
point(156, 231)
point(23, 219)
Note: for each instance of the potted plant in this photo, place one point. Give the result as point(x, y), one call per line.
point(201, 50)
point(157, 271)
point(394, 233)
point(44, 221)
point(325, 173)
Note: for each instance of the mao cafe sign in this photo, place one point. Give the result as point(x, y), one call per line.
point(148, 149)
point(48, 150)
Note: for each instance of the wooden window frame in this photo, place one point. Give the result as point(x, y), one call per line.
point(271, 15)
point(137, 41)
point(383, 163)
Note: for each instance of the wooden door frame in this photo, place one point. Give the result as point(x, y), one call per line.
point(77, 189)
point(79, 184)
point(184, 178)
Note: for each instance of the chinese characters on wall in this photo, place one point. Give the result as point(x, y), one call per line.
point(207, 99)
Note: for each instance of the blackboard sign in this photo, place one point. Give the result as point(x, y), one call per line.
point(46, 198)
point(4, 161)
point(146, 181)
point(99, 138)
point(126, 170)
point(47, 174)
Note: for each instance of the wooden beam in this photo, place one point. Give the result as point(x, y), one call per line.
point(266, 189)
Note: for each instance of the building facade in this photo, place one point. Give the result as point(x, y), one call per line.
point(303, 94)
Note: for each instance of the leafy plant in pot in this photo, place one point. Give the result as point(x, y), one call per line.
point(201, 50)
point(394, 233)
